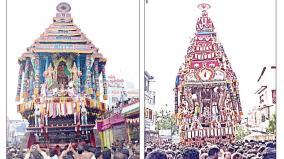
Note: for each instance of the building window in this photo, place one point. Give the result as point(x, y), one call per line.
point(261, 99)
point(150, 114)
point(262, 118)
point(273, 96)
point(255, 121)
point(146, 113)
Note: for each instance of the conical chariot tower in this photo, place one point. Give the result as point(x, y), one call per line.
point(59, 84)
point(207, 100)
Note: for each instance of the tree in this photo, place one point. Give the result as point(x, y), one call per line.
point(272, 125)
point(241, 133)
point(166, 121)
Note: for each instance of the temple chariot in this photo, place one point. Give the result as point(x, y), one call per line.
point(61, 84)
point(207, 100)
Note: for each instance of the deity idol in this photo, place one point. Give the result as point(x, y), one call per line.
point(75, 75)
point(62, 91)
point(214, 110)
point(70, 89)
point(196, 110)
point(49, 76)
point(37, 117)
point(84, 117)
point(43, 90)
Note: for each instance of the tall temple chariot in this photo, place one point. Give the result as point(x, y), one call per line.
point(207, 100)
point(59, 84)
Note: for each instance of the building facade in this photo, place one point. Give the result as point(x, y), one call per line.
point(150, 113)
point(118, 89)
point(266, 99)
point(16, 131)
point(122, 112)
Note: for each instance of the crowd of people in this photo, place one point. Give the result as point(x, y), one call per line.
point(121, 150)
point(118, 150)
point(239, 150)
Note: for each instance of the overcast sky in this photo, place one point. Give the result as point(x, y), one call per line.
point(112, 26)
point(245, 28)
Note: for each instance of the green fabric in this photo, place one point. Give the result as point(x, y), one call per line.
point(131, 111)
point(67, 72)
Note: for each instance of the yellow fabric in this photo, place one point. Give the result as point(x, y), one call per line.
point(90, 91)
point(107, 138)
point(41, 109)
point(92, 103)
point(36, 91)
point(101, 135)
point(78, 107)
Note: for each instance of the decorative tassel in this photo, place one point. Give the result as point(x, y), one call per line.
point(46, 120)
point(17, 98)
point(98, 93)
point(36, 92)
point(25, 84)
point(75, 119)
point(97, 84)
point(89, 63)
point(104, 82)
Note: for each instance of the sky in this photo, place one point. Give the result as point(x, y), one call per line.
point(245, 28)
point(111, 25)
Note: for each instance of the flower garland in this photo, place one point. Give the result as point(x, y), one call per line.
point(79, 66)
point(20, 81)
point(97, 84)
point(31, 85)
point(104, 82)
point(35, 63)
point(88, 85)
point(25, 84)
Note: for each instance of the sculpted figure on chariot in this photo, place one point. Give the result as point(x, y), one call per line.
point(76, 74)
point(49, 76)
point(62, 91)
point(37, 117)
point(84, 113)
point(196, 110)
point(70, 89)
point(43, 90)
point(214, 111)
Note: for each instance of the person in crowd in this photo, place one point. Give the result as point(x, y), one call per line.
point(227, 155)
point(106, 153)
point(170, 154)
point(269, 153)
point(213, 152)
point(99, 155)
point(119, 155)
point(69, 153)
point(190, 153)
point(36, 153)
point(157, 154)
point(204, 156)
point(237, 155)
point(53, 154)
point(125, 152)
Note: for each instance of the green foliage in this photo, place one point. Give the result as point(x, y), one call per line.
point(272, 125)
point(166, 121)
point(241, 133)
